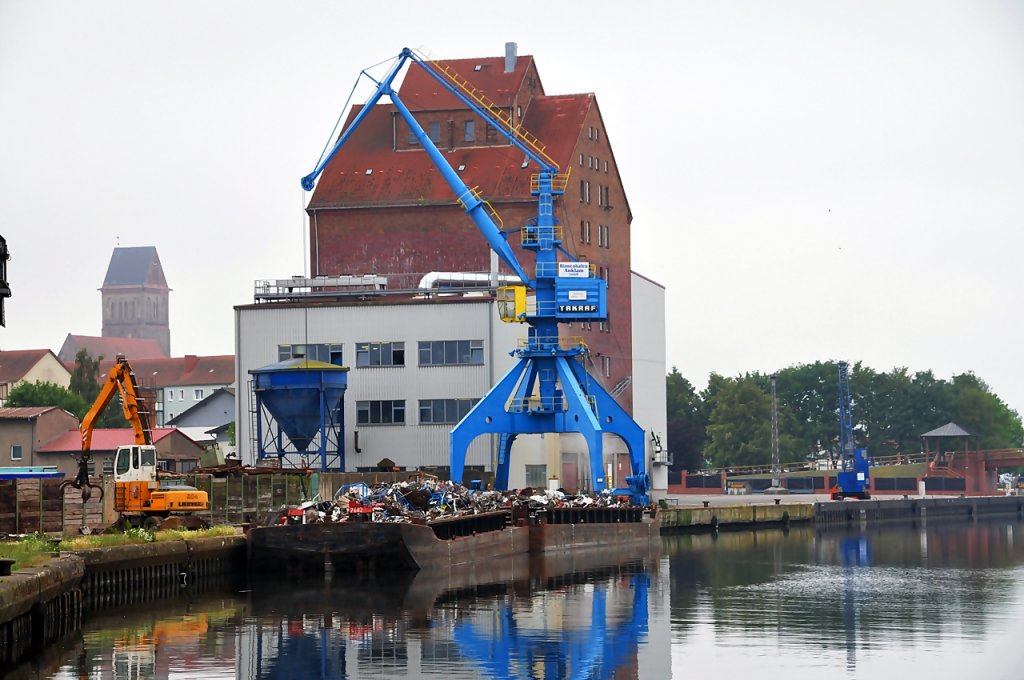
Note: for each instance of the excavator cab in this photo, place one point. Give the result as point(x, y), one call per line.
point(134, 477)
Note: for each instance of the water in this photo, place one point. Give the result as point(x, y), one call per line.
point(942, 600)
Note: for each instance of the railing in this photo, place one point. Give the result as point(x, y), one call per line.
point(559, 182)
point(532, 236)
point(500, 115)
point(567, 343)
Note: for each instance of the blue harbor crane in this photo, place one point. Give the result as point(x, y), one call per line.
point(549, 389)
point(853, 475)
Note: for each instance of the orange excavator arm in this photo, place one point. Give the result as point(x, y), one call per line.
point(120, 379)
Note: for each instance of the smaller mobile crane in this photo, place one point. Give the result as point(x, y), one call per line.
point(853, 478)
point(139, 496)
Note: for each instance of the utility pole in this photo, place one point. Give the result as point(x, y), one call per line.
point(776, 465)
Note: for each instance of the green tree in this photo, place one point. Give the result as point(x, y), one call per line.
point(47, 394)
point(686, 423)
point(739, 428)
point(985, 414)
point(86, 381)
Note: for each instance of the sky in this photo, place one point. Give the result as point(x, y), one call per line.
point(809, 180)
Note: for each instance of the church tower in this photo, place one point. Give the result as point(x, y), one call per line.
point(135, 297)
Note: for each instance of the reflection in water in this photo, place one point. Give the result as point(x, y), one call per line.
point(939, 599)
point(581, 616)
point(514, 620)
point(869, 600)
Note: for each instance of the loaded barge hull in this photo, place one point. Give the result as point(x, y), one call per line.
point(382, 546)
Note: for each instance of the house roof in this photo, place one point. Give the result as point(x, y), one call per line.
point(948, 430)
point(24, 412)
point(186, 370)
point(421, 92)
point(103, 439)
point(410, 177)
point(109, 348)
point(137, 266)
point(14, 364)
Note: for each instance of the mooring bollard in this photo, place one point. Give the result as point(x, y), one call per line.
point(707, 503)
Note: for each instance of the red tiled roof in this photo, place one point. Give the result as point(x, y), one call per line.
point(409, 177)
point(109, 348)
point(24, 412)
point(105, 439)
point(421, 92)
point(187, 370)
point(14, 364)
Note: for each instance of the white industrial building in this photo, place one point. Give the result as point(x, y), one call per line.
point(419, 362)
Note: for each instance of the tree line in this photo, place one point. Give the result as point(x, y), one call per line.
point(729, 423)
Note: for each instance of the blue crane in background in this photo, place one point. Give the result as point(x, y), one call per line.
point(853, 476)
point(549, 389)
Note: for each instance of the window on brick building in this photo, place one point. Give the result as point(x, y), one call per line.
point(606, 166)
point(435, 131)
point(581, 160)
point(470, 131)
point(412, 138)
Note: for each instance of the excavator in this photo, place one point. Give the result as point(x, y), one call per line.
point(139, 496)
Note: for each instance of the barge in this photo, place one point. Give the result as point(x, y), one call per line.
point(370, 547)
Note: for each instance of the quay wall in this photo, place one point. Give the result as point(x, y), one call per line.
point(734, 516)
point(40, 605)
point(751, 515)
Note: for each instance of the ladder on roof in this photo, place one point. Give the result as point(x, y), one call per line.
point(500, 115)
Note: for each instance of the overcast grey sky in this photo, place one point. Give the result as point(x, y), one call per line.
point(810, 180)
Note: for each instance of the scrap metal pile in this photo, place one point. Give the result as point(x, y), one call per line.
point(432, 499)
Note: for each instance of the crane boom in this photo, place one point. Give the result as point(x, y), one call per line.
point(120, 380)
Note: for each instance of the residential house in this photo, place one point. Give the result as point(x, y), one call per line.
point(217, 409)
point(24, 430)
point(30, 365)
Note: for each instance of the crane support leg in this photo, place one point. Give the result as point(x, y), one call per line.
point(615, 420)
point(490, 415)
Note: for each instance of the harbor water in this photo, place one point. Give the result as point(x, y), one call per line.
point(937, 599)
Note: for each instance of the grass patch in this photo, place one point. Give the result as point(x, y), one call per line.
point(28, 551)
point(135, 536)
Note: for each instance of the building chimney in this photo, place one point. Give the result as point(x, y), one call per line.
point(510, 57)
point(191, 362)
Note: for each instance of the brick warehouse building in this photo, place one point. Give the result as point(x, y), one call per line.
point(381, 206)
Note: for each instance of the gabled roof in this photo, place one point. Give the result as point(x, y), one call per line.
point(109, 348)
point(175, 371)
point(410, 177)
point(421, 92)
point(139, 266)
point(948, 430)
point(14, 364)
point(103, 439)
point(26, 412)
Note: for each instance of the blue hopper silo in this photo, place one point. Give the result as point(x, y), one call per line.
point(300, 413)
